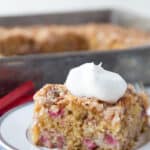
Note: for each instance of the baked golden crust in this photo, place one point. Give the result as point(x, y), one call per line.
point(62, 120)
point(60, 38)
point(109, 37)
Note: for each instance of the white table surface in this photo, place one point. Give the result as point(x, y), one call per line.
point(22, 7)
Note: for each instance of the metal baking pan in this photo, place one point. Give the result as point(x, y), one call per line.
point(133, 65)
point(112, 16)
point(115, 16)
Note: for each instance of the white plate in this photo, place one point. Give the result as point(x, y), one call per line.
point(13, 127)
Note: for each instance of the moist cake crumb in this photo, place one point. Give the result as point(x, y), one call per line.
point(65, 121)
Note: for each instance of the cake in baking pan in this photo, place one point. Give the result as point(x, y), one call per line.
point(60, 38)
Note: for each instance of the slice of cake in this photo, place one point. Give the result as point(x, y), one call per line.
point(66, 121)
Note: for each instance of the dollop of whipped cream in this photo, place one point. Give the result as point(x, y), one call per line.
point(90, 80)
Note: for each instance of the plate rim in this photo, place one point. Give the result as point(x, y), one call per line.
point(3, 142)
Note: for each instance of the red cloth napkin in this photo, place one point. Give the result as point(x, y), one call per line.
point(20, 95)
